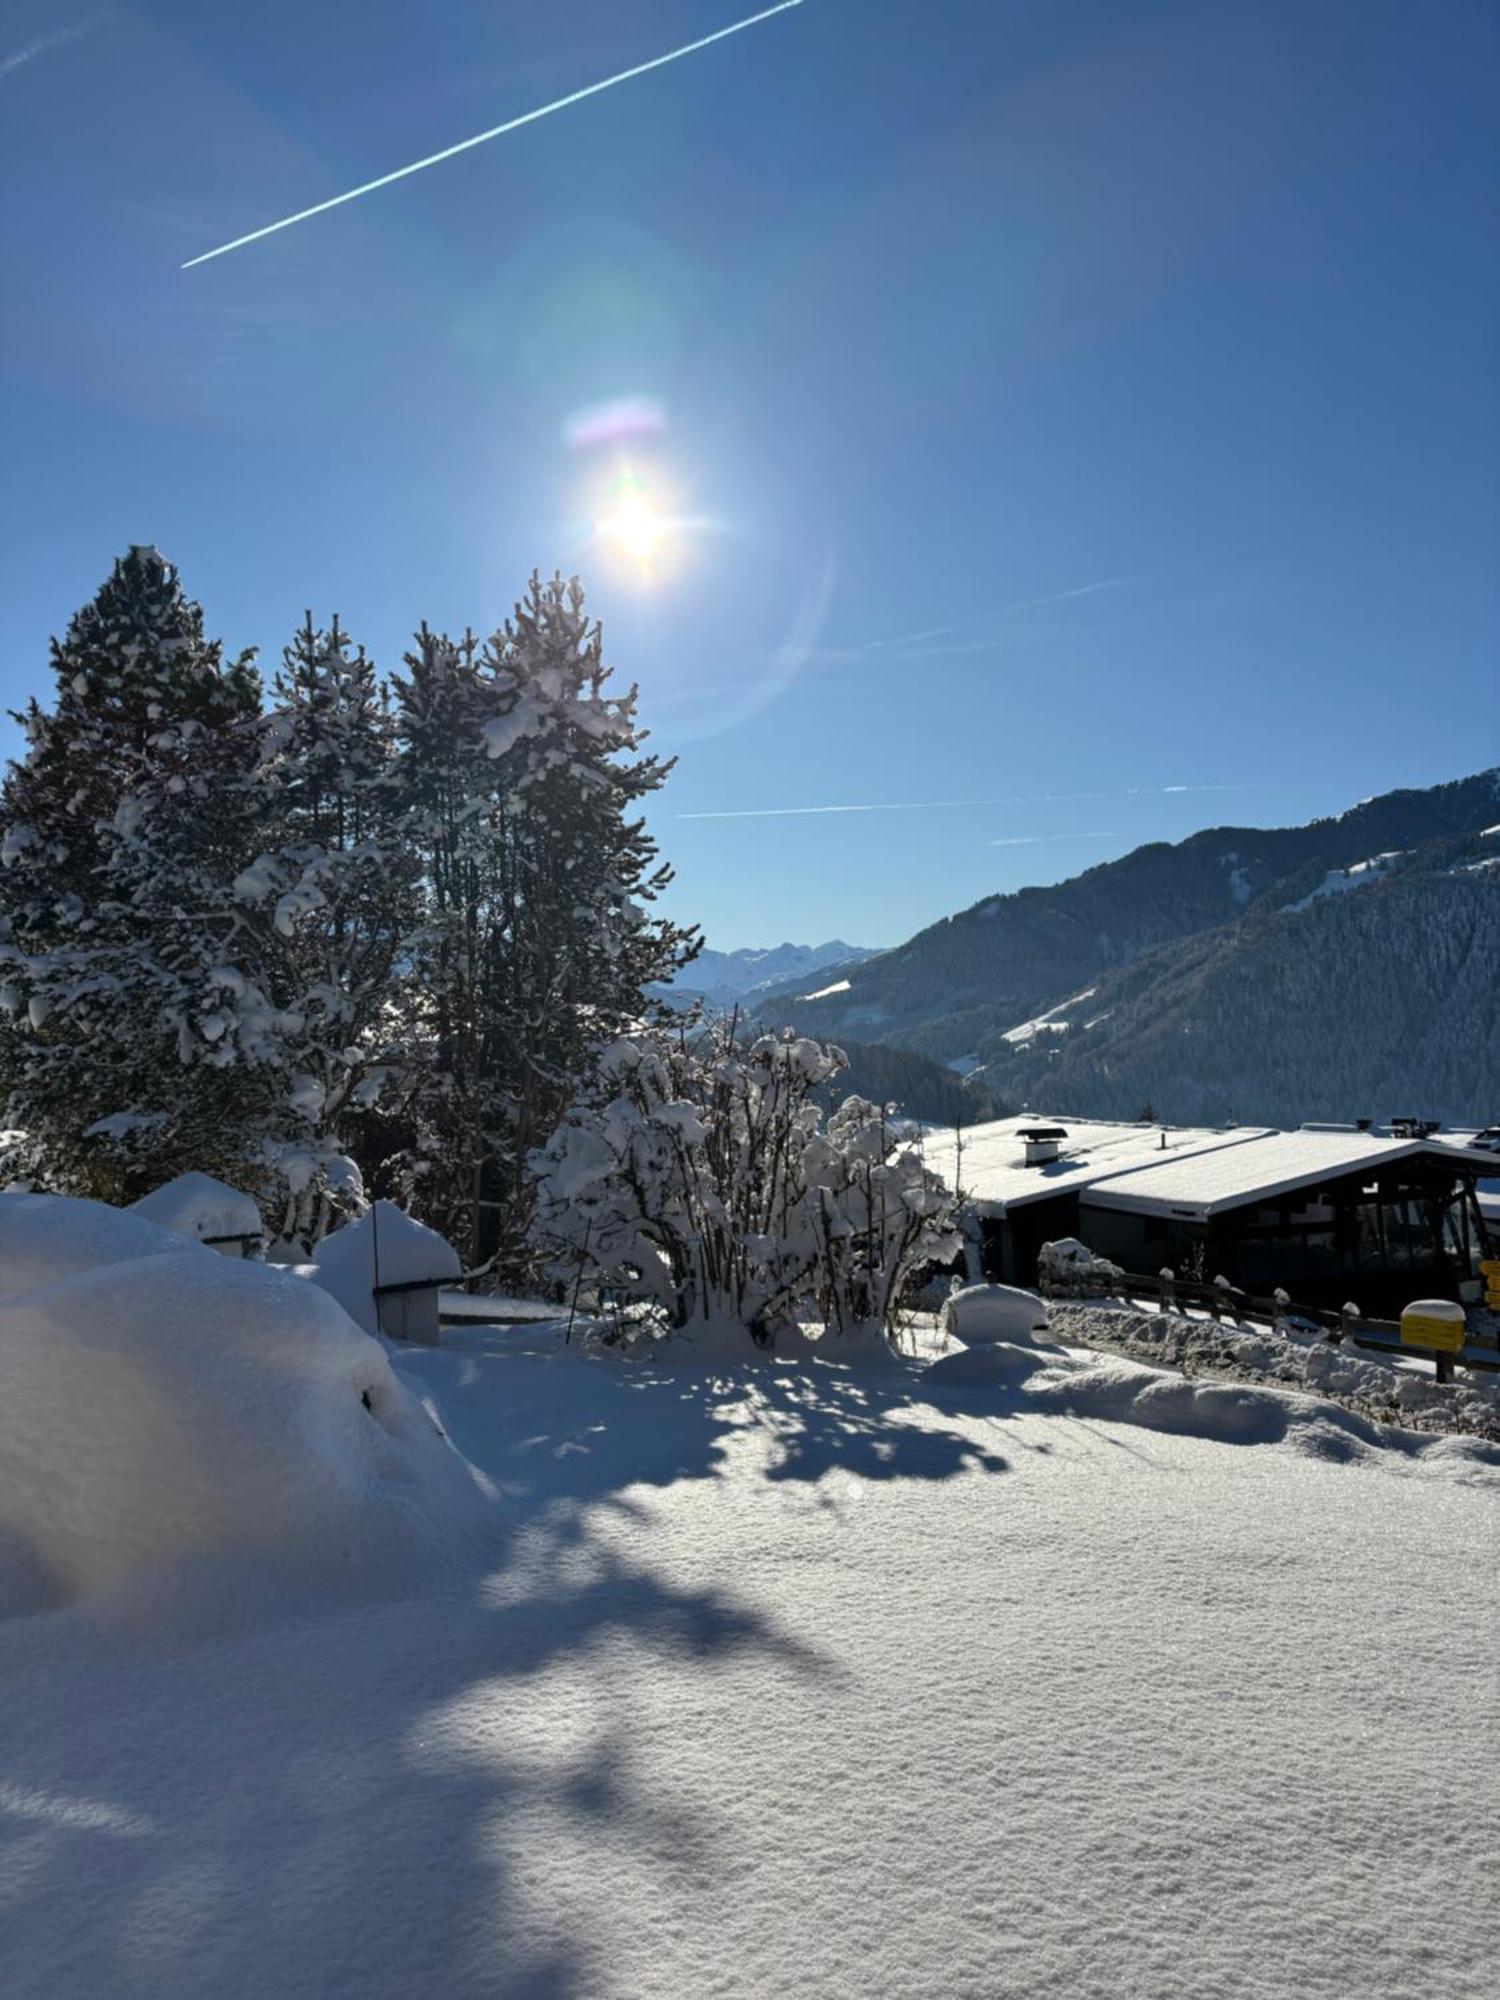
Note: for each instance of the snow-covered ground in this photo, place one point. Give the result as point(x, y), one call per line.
point(999, 1679)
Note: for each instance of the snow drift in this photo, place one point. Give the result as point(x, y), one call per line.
point(48, 1236)
point(1033, 1377)
point(183, 1426)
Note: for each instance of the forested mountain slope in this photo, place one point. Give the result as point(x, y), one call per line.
point(1371, 1004)
point(953, 987)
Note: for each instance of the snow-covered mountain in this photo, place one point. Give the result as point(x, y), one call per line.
point(1279, 973)
point(1375, 994)
point(1010, 959)
point(722, 977)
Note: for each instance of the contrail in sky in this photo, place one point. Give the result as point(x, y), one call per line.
point(59, 38)
point(1045, 839)
point(940, 805)
point(495, 132)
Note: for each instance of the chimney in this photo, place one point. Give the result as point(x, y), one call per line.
point(1043, 1143)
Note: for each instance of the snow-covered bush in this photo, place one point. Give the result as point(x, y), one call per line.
point(1068, 1269)
point(23, 1163)
point(306, 1190)
point(693, 1176)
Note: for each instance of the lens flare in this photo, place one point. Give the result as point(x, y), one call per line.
point(634, 525)
point(624, 421)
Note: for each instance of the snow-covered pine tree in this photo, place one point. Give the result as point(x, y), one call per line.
point(579, 869)
point(451, 1120)
point(322, 913)
point(523, 772)
point(129, 803)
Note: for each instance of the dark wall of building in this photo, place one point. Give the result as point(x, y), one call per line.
point(1380, 1241)
point(1009, 1246)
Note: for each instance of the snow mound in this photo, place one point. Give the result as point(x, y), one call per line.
point(983, 1313)
point(1360, 1379)
point(191, 1430)
point(385, 1247)
point(197, 1205)
point(993, 1361)
point(1033, 1379)
point(44, 1237)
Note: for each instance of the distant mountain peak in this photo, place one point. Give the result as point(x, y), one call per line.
point(723, 977)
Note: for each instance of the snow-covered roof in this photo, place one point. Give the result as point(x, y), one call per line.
point(384, 1248)
point(197, 1205)
point(994, 1175)
point(1165, 1170)
point(1269, 1164)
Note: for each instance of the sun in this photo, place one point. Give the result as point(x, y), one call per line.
point(635, 525)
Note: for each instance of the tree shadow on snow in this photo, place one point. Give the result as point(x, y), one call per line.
point(448, 1793)
point(417, 1797)
point(576, 1427)
point(451, 1793)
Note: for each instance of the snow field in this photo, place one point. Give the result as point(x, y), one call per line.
point(808, 1680)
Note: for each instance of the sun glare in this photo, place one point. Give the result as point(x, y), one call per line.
point(635, 526)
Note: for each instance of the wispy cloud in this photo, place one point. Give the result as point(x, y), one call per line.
point(1067, 596)
point(968, 805)
point(44, 44)
point(901, 647)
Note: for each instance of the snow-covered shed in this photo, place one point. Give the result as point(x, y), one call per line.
point(386, 1270)
point(208, 1210)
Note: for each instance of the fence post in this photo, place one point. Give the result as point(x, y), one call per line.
point(1168, 1280)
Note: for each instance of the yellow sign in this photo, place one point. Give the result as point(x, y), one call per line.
point(1444, 1336)
point(1490, 1266)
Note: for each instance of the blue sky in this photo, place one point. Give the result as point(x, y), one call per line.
point(1083, 417)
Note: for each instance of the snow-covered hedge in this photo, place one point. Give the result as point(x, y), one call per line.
point(980, 1315)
